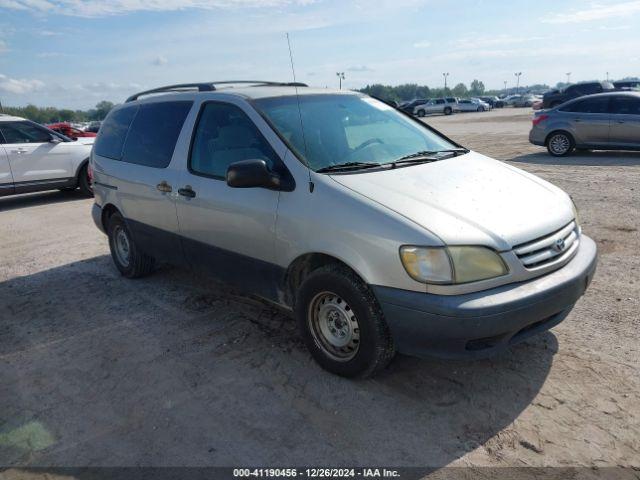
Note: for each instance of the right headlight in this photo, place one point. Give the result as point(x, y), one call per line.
point(451, 265)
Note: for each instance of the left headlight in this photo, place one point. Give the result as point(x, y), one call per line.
point(450, 265)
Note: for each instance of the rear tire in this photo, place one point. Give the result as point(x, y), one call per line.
point(421, 113)
point(448, 111)
point(560, 144)
point(342, 324)
point(84, 185)
point(129, 260)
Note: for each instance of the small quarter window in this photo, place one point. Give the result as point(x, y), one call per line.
point(113, 132)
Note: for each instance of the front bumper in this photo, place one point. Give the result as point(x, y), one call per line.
point(483, 323)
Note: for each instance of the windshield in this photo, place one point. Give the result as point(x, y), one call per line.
point(341, 129)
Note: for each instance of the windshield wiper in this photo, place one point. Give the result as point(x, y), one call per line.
point(347, 166)
point(431, 153)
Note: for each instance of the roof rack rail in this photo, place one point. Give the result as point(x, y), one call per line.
point(211, 86)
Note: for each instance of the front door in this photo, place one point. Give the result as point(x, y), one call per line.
point(6, 179)
point(34, 154)
point(625, 121)
point(230, 232)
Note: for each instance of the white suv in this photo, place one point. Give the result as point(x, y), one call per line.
point(34, 158)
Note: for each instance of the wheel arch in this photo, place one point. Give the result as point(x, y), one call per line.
point(303, 265)
point(80, 167)
point(559, 130)
point(107, 211)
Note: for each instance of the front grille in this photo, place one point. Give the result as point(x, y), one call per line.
point(549, 248)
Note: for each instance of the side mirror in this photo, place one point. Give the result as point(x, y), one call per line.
point(252, 174)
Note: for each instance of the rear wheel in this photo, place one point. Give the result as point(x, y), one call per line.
point(448, 111)
point(342, 323)
point(129, 260)
point(560, 144)
point(421, 113)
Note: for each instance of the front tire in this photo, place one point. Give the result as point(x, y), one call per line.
point(129, 260)
point(560, 144)
point(421, 113)
point(84, 184)
point(342, 324)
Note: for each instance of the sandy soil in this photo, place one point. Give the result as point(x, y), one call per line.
point(176, 370)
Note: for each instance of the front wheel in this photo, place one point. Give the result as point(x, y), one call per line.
point(84, 182)
point(129, 260)
point(342, 323)
point(421, 113)
point(560, 144)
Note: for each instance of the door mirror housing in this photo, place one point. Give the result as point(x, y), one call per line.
point(251, 174)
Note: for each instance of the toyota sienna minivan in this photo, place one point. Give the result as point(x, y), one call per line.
point(377, 232)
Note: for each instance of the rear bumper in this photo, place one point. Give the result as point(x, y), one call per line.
point(96, 214)
point(484, 323)
point(537, 136)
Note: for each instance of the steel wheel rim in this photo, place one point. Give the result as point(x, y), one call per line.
point(122, 246)
point(334, 326)
point(559, 144)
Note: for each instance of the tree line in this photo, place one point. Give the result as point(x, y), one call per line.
point(411, 91)
point(46, 115)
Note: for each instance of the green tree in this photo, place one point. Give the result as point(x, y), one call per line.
point(460, 90)
point(477, 88)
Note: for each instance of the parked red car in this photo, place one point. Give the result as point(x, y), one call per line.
point(69, 131)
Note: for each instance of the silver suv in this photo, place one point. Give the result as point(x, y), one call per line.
point(437, 105)
point(375, 231)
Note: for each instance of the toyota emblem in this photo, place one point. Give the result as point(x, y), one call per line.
point(559, 245)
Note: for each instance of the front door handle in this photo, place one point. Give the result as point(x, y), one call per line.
point(187, 191)
point(164, 187)
point(20, 150)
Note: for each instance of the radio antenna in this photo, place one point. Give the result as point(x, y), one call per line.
point(304, 139)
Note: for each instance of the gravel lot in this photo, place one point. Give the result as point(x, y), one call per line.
point(177, 370)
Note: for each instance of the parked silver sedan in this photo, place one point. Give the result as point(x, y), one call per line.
point(605, 121)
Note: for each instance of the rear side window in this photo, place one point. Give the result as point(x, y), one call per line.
point(23, 132)
point(154, 132)
point(113, 132)
point(625, 106)
point(588, 105)
point(225, 135)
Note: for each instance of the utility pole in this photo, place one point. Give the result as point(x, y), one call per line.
point(568, 77)
point(517, 74)
point(445, 75)
point(341, 77)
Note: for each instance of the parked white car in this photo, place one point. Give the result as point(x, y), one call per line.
point(34, 158)
point(473, 105)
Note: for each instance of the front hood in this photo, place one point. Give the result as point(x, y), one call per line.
point(468, 200)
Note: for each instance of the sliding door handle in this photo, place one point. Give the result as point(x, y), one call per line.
point(187, 191)
point(164, 187)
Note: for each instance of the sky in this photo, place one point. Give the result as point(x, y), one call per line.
point(74, 53)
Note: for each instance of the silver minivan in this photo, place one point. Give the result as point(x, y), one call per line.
point(378, 233)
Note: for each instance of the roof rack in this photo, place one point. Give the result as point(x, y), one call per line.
point(211, 86)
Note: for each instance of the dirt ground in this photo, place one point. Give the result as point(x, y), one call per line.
point(176, 370)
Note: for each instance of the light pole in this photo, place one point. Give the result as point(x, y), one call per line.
point(517, 74)
point(568, 77)
point(607, 76)
point(341, 77)
point(505, 87)
point(445, 75)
